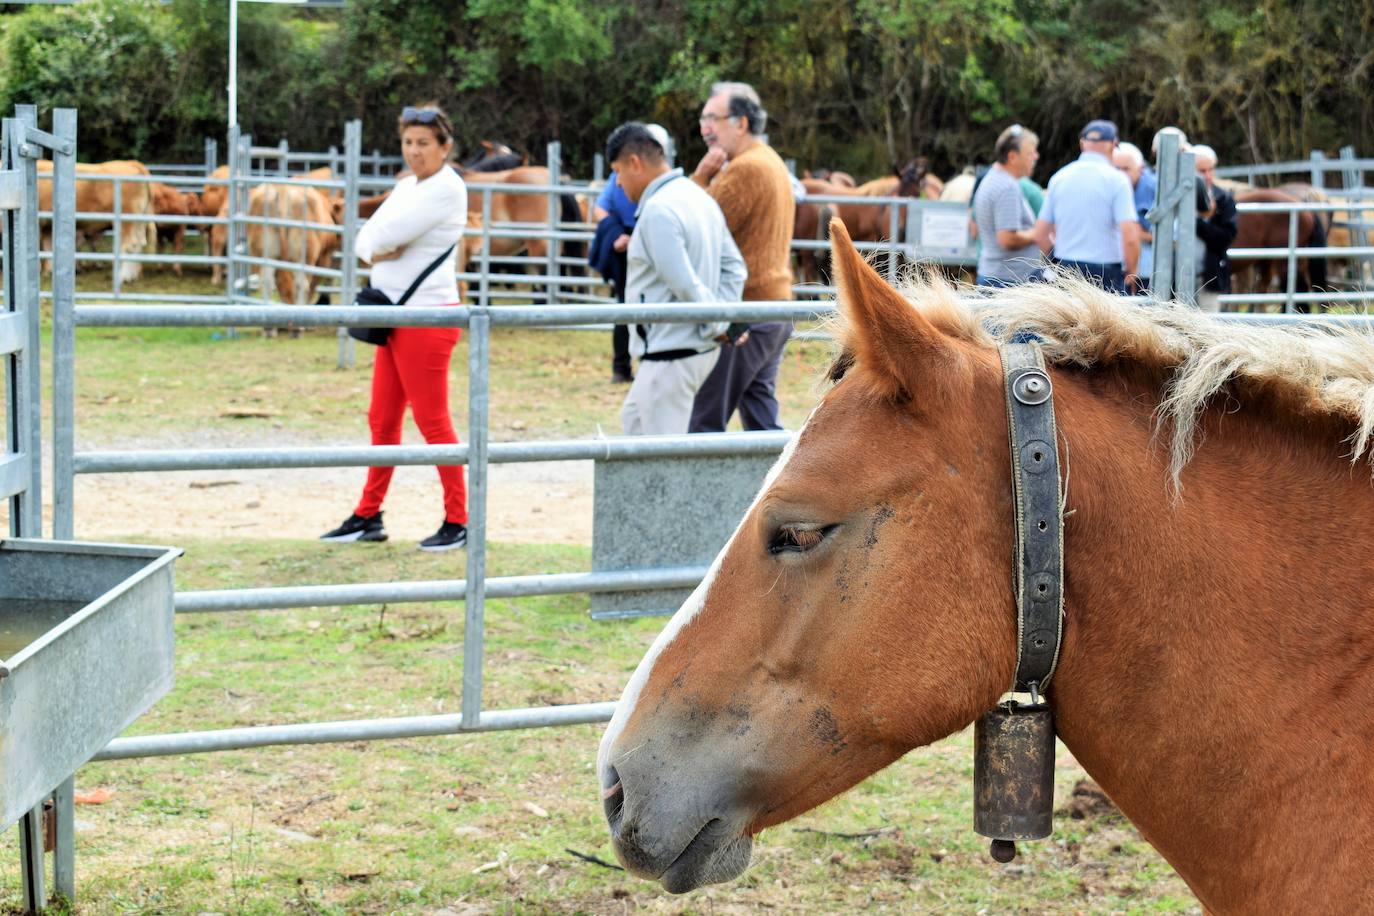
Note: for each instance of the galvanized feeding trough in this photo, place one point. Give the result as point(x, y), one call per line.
point(86, 642)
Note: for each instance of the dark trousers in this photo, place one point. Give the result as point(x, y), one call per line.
point(1110, 277)
point(620, 350)
point(745, 378)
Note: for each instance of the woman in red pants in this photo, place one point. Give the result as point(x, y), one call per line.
point(423, 217)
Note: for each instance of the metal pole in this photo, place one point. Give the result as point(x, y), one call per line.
point(892, 214)
point(555, 170)
point(283, 150)
point(211, 156)
point(29, 399)
point(1318, 160)
point(348, 292)
point(1292, 259)
point(1186, 261)
point(1162, 281)
point(598, 168)
point(484, 282)
point(118, 243)
point(64, 325)
point(479, 346)
point(26, 418)
point(1353, 180)
point(233, 67)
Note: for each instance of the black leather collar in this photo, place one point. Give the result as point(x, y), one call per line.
point(1038, 502)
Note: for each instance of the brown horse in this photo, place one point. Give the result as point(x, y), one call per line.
point(521, 208)
point(865, 222)
point(1217, 671)
point(1270, 230)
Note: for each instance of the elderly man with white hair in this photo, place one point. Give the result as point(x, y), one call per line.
point(1145, 185)
point(1216, 231)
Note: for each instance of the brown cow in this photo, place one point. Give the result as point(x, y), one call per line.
point(313, 247)
point(168, 201)
point(97, 196)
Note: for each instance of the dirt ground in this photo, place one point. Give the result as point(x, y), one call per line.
point(546, 502)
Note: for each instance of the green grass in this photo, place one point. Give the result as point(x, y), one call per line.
point(422, 824)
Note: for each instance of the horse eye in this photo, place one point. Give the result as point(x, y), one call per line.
point(791, 539)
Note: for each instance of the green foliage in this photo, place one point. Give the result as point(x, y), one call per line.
point(858, 84)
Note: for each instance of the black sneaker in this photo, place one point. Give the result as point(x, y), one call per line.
point(450, 536)
point(358, 528)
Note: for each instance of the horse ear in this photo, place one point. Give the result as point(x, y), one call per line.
point(487, 145)
point(901, 350)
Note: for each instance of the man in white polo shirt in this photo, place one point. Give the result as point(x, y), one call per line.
point(1089, 222)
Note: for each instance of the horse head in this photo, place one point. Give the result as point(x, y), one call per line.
point(861, 609)
point(493, 157)
point(910, 177)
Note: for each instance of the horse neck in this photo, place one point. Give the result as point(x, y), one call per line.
point(1216, 674)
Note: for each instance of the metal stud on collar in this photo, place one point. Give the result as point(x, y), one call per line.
point(1032, 387)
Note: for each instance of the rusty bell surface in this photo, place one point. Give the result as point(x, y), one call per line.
point(1013, 776)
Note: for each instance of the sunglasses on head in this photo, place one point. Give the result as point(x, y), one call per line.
point(419, 115)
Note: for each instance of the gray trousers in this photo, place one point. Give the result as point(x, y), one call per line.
point(659, 403)
point(745, 379)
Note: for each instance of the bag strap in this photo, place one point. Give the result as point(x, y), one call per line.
point(425, 273)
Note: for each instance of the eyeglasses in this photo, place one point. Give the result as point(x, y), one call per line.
point(419, 115)
point(713, 118)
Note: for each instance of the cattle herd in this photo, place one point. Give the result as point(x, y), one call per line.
point(827, 194)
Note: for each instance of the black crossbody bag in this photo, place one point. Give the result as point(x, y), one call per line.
point(371, 295)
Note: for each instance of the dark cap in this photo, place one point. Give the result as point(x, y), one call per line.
point(1098, 130)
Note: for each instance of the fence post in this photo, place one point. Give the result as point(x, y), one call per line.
point(1318, 160)
point(376, 162)
point(283, 150)
point(211, 155)
point(598, 167)
point(892, 215)
point(484, 282)
point(231, 210)
point(117, 246)
point(63, 432)
point(555, 211)
point(479, 346)
point(1292, 259)
point(1353, 179)
point(348, 292)
point(22, 241)
point(63, 323)
point(1161, 217)
point(1186, 261)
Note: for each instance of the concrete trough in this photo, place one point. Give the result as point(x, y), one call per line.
point(86, 642)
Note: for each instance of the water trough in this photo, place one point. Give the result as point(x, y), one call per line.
point(86, 641)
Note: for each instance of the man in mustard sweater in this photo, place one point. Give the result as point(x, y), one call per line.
point(751, 184)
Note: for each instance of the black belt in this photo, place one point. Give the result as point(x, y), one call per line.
point(663, 356)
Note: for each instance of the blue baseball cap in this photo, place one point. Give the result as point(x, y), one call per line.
point(1098, 131)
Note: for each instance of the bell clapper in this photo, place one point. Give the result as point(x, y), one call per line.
point(1002, 850)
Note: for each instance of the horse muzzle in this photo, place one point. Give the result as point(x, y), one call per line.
point(674, 834)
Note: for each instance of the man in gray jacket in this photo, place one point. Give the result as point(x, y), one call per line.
point(681, 251)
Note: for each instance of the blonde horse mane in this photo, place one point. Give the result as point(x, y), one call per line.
point(1324, 370)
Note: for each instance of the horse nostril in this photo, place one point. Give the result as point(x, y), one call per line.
point(612, 797)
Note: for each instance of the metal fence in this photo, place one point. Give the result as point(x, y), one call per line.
point(478, 454)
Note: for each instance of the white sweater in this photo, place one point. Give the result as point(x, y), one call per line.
point(425, 217)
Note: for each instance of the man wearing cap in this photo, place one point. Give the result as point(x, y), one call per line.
point(751, 183)
point(680, 251)
point(1089, 221)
